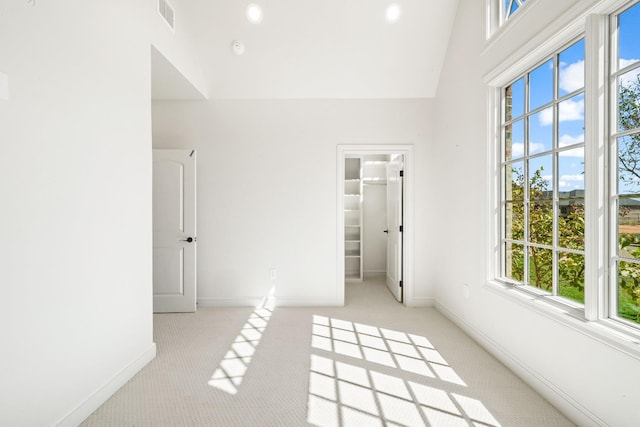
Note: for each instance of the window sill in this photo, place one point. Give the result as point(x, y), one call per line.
point(607, 332)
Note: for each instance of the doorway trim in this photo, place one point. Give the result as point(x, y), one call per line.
point(344, 150)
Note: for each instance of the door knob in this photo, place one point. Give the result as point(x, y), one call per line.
point(386, 231)
point(188, 239)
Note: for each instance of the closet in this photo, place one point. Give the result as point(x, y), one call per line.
point(365, 219)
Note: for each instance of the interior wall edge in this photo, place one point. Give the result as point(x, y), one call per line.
point(100, 396)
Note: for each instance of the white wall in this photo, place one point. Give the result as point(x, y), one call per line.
point(591, 381)
point(75, 221)
point(267, 188)
point(374, 213)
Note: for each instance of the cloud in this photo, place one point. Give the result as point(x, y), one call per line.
point(569, 110)
point(517, 148)
point(572, 76)
point(567, 140)
point(546, 117)
point(631, 76)
point(627, 62)
point(571, 182)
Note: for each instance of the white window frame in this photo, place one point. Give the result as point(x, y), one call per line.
point(595, 318)
point(555, 150)
point(497, 15)
point(611, 310)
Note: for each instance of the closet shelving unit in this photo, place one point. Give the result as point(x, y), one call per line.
point(353, 218)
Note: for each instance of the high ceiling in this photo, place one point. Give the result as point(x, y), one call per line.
point(342, 49)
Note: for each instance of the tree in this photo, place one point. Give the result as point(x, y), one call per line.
point(571, 223)
point(629, 174)
point(629, 119)
point(540, 229)
point(540, 224)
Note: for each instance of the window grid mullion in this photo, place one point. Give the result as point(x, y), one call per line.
point(525, 192)
point(555, 180)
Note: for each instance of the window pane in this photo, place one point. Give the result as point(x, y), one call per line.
point(571, 173)
point(629, 227)
point(514, 181)
point(628, 46)
point(541, 223)
point(628, 298)
point(541, 178)
point(629, 164)
point(514, 261)
point(571, 119)
point(541, 85)
point(571, 76)
point(510, 6)
point(541, 131)
point(571, 276)
point(629, 100)
point(541, 268)
point(514, 100)
point(514, 221)
point(571, 224)
point(514, 140)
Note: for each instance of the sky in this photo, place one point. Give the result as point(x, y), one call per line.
point(571, 110)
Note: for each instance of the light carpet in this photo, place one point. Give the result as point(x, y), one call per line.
point(373, 362)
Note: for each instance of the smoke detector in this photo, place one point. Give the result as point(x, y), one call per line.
point(237, 47)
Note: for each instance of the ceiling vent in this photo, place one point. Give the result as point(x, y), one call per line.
point(166, 11)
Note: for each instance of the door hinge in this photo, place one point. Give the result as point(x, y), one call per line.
point(400, 283)
point(401, 173)
point(401, 229)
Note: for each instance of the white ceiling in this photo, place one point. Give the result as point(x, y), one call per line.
point(341, 49)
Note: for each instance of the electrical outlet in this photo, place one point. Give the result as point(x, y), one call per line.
point(273, 274)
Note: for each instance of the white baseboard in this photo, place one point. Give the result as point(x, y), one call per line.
point(279, 302)
point(93, 402)
point(421, 302)
point(558, 398)
point(229, 302)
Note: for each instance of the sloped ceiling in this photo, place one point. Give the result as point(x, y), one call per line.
point(342, 49)
point(167, 82)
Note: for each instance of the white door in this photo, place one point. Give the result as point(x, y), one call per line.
point(394, 226)
point(174, 231)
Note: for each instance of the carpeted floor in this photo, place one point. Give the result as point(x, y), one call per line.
point(373, 362)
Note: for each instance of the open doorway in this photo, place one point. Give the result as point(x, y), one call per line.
point(375, 221)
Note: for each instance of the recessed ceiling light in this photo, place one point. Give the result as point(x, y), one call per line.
point(254, 13)
point(393, 13)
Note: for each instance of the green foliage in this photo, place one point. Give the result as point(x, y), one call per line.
point(540, 229)
point(629, 174)
point(629, 278)
point(571, 223)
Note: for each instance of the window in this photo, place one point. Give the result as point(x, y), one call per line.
point(499, 12)
point(542, 195)
point(625, 162)
point(511, 6)
point(542, 174)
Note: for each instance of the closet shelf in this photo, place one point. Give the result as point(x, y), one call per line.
point(353, 192)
